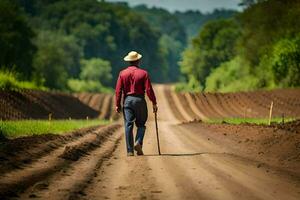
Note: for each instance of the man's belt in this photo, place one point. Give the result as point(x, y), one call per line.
point(136, 95)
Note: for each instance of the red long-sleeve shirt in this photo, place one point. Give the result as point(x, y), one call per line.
point(134, 81)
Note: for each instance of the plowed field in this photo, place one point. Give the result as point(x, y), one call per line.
point(198, 161)
point(103, 103)
point(32, 104)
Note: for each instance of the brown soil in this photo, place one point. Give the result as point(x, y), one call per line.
point(245, 104)
point(43, 162)
point(30, 104)
point(276, 145)
point(198, 161)
point(103, 103)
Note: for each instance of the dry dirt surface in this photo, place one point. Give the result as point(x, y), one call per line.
point(198, 161)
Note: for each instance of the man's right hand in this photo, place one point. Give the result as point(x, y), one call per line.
point(155, 108)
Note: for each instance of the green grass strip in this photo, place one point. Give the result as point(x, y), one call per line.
point(12, 129)
point(258, 121)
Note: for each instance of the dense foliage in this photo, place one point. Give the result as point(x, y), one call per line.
point(258, 48)
point(11, 81)
point(213, 46)
point(16, 46)
point(71, 31)
point(172, 37)
point(50, 42)
point(93, 70)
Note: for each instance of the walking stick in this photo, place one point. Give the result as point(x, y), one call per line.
point(158, 147)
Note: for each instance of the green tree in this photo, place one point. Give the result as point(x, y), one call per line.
point(164, 22)
point(171, 50)
point(96, 69)
point(214, 44)
point(265, 49)
point(286, 62)
point(231, 76)
point(58, 58)
point(107, 31)
point(16, 36)
point(276, 19)
point(95, 76)
point(172, 38)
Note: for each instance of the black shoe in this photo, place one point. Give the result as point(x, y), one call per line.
point(138, 149)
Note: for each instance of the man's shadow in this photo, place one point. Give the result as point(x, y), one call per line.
point(182, 154)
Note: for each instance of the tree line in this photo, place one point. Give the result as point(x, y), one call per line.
point(257, 48)
point(78, 45)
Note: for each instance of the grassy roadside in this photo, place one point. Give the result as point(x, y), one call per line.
point(12, 129)
point(258, 121)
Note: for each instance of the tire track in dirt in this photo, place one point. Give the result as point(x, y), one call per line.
point(35, 147)
point(19, 180)
point(66, 184)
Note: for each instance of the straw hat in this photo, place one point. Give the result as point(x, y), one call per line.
point(132, 56)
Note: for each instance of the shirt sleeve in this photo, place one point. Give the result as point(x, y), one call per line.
point(149, 89)
point(118, 91)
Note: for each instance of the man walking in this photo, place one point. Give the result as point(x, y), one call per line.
point(133, 82)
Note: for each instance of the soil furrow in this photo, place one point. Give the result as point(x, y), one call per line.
point(34, 147)
point(70, 183)
point(172, 104)
point(178, 104)
point(194, 107)
point(105, 107)
point(19, 180)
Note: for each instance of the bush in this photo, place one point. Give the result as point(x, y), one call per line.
point(77, 85)
point(9, 81)
point(192, 86)
point(286, 62)
point(231, 76)
point(95, 74)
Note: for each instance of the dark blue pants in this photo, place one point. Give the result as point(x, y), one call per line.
point(135, 111)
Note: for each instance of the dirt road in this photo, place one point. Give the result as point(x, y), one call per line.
point(193, 166)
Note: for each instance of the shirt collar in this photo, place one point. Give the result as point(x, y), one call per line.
point(133, 66)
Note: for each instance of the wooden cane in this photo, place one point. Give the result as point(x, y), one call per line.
point(158, 146)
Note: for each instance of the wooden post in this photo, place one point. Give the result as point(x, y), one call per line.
point(271, 112)
point(49, 120)
point(50, 117)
